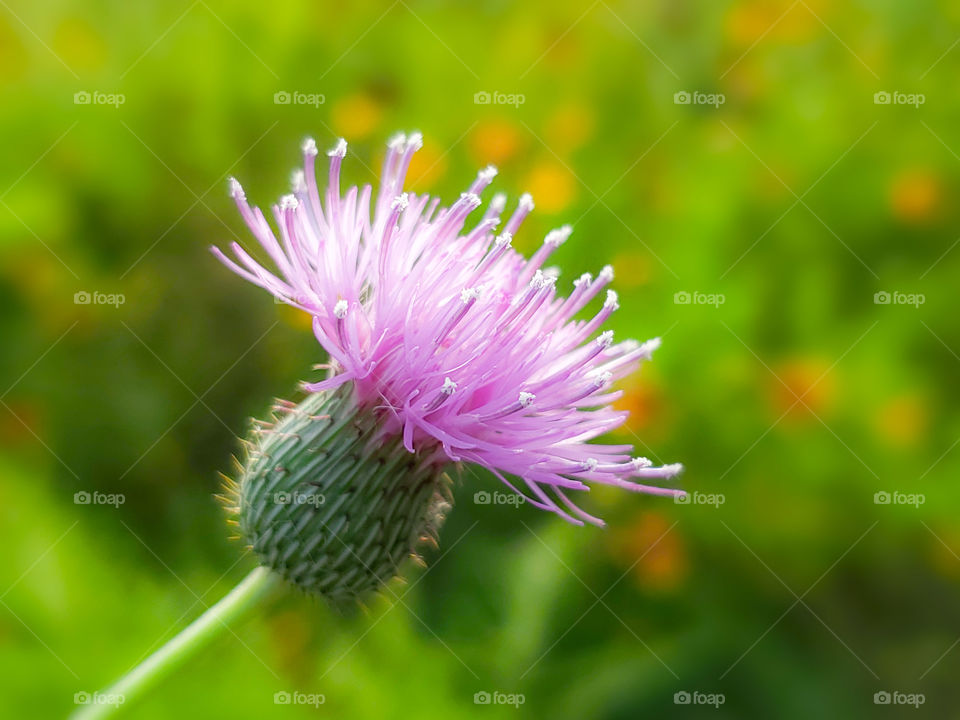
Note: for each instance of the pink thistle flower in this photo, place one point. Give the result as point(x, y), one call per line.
point(463, 345)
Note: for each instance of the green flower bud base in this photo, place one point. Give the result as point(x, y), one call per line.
point(330, 504)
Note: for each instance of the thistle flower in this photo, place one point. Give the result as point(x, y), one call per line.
point(446, 346)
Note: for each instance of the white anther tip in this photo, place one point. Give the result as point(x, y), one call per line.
point(526, 202)
point(584, 279)
point(469, 294)
point(236, 190)
point(471, 199)
point(557, 237)
point(340, 309)
point(607, 273)
point(340, 150)
point(541, 280)
point(650, 345)
point(504, 239)
point(400, 202)
point(487, 174)
point(449, 387)
point(309, 147)
point(526, 399)
point(414, 141)
point(672, 470)
point(397, 141)
point(639, 463)
point(606, 339)
point(603, 379)
point(611, 301)
point(590, 464)
point(289, 202)
point(298, 181)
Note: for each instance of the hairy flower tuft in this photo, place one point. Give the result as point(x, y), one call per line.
point(462, 346)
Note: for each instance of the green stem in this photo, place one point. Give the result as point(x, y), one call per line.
point(187, 643)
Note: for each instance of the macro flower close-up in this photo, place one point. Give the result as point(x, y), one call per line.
point(479, 360)
point(448, 337)
point(446, 347)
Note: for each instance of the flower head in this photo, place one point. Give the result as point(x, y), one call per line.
point(462, 348)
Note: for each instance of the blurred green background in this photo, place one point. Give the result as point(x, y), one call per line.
point(797, 398)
